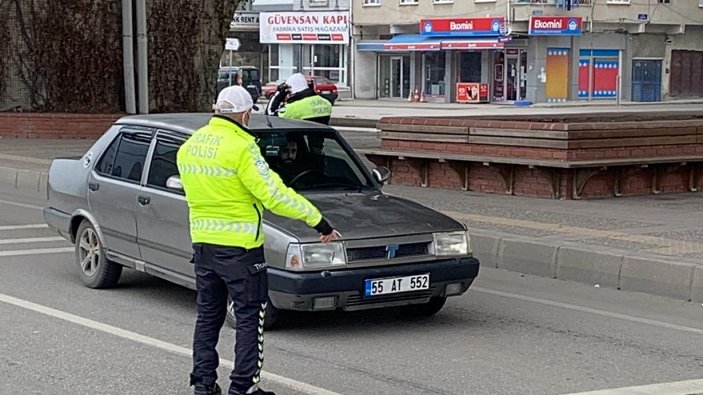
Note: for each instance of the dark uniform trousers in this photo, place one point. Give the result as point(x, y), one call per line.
point(221, 271)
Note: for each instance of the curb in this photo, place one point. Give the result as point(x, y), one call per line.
point(25, 182)
point(354, 122)
point(677, 278)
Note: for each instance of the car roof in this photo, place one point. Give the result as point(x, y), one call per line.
point(236, 67)
point(189, 122)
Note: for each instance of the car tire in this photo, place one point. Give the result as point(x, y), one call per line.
point(274, 317)
point(95, 270)
point(425, 309)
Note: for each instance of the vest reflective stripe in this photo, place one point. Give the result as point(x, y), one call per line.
point(203, 170)
point(301, 208)
point(219, 225)
point(309, 107)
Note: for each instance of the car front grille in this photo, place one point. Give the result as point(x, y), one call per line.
point(358, 300)
point(380, 252)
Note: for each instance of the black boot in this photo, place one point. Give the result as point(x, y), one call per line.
point(201, 389)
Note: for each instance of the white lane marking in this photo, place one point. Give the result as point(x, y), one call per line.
point(21, 205)
point(150, 341)
point(688, 387)
point(589, 310)
point(31, 240)
point(38, 251)
point(20, 227)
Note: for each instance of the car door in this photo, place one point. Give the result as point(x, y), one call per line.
point(162, 214)
point(113, 186)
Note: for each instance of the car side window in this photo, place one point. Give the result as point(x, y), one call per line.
point(124, 159)
point(163, 163)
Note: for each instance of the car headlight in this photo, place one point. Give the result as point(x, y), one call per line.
point(319, 255)
point(451, 243)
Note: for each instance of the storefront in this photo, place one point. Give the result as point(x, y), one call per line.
point(576, 66)
point(313, 43)
point(245, 29)
point(446, 52)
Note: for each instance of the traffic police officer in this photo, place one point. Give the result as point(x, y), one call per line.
point(227, 185)
point(301, 101)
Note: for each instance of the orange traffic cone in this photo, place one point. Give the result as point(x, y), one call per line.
point(422, 97)
point(417, 95)
point(410, 96)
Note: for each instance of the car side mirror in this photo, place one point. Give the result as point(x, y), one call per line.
point(174, 182)
point(381, 174)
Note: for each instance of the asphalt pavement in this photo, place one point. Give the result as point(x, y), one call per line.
point(650, 244)
point(510, 334)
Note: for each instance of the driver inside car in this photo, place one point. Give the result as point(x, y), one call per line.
point(291, 163)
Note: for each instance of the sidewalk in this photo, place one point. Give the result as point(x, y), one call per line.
point(651, 244)
point(346, 112)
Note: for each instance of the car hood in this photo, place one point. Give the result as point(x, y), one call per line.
point(373, 215)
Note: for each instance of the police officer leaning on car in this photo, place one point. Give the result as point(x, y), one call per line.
point(301, 102)
point(227, 185)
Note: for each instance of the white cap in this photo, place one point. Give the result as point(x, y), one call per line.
point(297, 83)
point(234, 99)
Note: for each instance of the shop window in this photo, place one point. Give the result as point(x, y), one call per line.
point(435, 64)
point(470, 67)
point(598, 74)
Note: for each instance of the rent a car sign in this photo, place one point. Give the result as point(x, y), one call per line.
point(304, 27)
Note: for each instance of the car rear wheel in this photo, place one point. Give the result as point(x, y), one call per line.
point(94, 268)
point(425, 309)
point(274, 317)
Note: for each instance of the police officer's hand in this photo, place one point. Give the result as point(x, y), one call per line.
point(330, 237)
point(283, 89)
point(327, 232)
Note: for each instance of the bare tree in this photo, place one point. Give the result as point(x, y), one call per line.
point(68, 53)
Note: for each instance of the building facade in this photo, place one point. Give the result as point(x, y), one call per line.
point(535, 50)
point(245, 29)
point(307, 36)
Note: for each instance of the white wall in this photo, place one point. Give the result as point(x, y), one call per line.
point(365, 75)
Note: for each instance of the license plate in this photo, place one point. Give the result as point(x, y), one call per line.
point(385, 286)
point(325, 92)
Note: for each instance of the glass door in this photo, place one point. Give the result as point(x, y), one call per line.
point(512, 78)
point(396, 77)
point(515, 74)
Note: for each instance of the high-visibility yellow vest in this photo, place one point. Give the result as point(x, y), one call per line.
point(310, 107)
point(228, 184)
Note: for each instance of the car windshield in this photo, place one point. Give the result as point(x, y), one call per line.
point(312, 160)
point(250, 75)
point(224, 74)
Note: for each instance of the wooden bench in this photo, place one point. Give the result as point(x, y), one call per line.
point(553, 170)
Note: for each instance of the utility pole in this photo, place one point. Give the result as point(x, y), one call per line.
point(128, 57)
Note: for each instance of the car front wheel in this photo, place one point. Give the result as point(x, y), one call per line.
point(425, 309)
point(94, 268)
